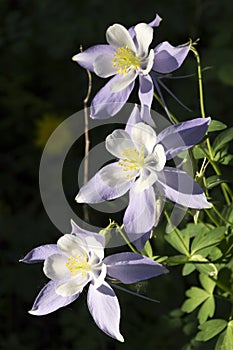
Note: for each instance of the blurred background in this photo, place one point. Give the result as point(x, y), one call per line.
point(40, 87)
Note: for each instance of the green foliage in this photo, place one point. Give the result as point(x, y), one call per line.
point(222, 139)
point(210, 329)
point(198, 296)
point(37, 42)
point(216, 125)
point(225, 340)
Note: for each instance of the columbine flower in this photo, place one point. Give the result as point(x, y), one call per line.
point(78, 259)
point(127, 57)
point(141, 170)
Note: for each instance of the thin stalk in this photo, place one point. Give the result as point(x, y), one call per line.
point(202, 108)
point(119, 229)
point(220, 216)
point(86, 134)
point(212, 218)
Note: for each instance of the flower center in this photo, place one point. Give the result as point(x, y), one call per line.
point(132, 161)
point(78, 263)
point(125, 60)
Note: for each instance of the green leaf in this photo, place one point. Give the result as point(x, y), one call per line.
point(222, 139)
point(225, 340)
point(179, 241)
point(193, 229)
point(177, 260)
point(210, 329)
point(207, 239)
point(203, 265)
point(223, 156)
point(227, 213)
point(196, 297)
point(187, 269)
point(147, 250)
point(198, 153)
point(214, 181)
point(207, 283)
point(207, 310)
point(216, 125)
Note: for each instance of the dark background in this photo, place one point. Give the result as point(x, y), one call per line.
point(40, 86)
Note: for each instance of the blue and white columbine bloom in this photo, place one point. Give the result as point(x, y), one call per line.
point(141, 170)
point(77, 260)
point(126, 57)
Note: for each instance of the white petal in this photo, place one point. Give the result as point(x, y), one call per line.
point(117, 142)
point(160, 157)
point(73, 286)
point(144, 36)
point(123, 81)
point(143, 135)
point(55, 267)
point(146, 180)
point(70, 245)
point(148, 63)
point(105, 310)
point(103, 66)
point(118, 36)
point(92, 245)
point(98, 278)
point(115, 177)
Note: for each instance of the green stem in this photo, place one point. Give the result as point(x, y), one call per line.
point(212, 218)
point(220, 216)
point(225, 188)
point(202, 108)
point(119, 229)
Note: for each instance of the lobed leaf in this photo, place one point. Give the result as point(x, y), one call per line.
point(179, 240)
point(196, 297)
point(216, 125)
point(210, 329)
point(206, 310)
point(207, 239)
point(222, 139)
point(225, 340)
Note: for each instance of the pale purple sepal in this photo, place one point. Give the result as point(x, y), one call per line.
point(131, 268)
point(39, 254)
point(179, 187)
point(169, 58)
point(146, 90)
point(140, 242)
point(105, 309)
point(137, 116)
point(48, 300)
point(178, 138)
point(140, 214)
point(106, 103)
point(88, 57)
point(97, 191)
point(146, 94)
point(80, 232)
point(156, 21)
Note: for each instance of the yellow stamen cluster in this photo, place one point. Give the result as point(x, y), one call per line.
point(133, 161)
point(78, 263)
point(125, 60)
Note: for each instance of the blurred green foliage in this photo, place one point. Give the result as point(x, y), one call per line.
point(38, 79)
